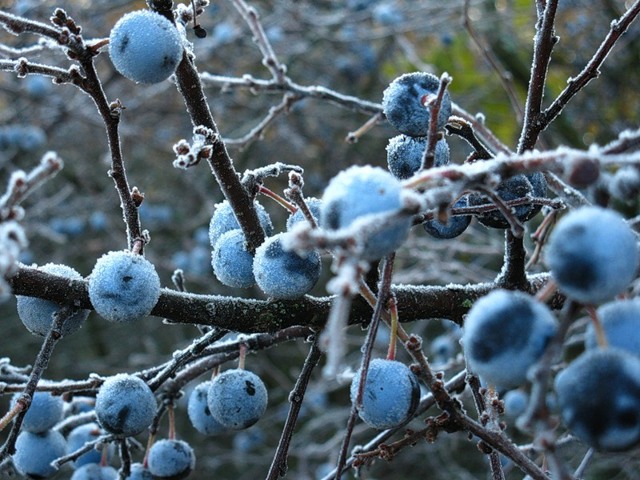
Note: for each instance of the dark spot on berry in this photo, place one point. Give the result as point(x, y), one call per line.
point(250, 388)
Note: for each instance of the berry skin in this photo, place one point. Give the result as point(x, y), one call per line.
point(402, 103)
point(232, 263)
point(599, 399)
point(314, 204)
point(404, 155)
point(456, 226)
point(45, 411)
point(125, 405)
point(365, 191)
point(77, 439)
point(391, 394)
point(515, 402)
point(237, 399)
point(36, 451)
point(139, 472)
point(224, 220)
point(285, 274)
point(504, 334)
point(145, 47)
point(592, 254)
point(37, 314)
point(520, 186)
point(621, 323)
point(123, 286)
point(171, 459)
point(94, 471)
point(199, 412)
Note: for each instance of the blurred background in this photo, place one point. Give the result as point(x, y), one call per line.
point(355, 47)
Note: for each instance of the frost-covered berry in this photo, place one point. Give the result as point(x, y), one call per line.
point(405, 153)
point(94, 471)
point(78, 437)
point(199, 412)
point(139, 472)
point(515, 402)
point(592, 254)
point(599, 398)
point(145, 47)
point(232, 263)
point(224, 220)
point(44, 412)
point(504, 334)
point(520, 186)
point(620, 321)
point(123, 286)
point(171, 459)
point(362, 192)
point(314, 205)
point(36, 451)
point(391, 394)
point(37, 314)
point(404, 99)
point(125, 405)
point(456, 225)
point(284, 274)
point(237, 399)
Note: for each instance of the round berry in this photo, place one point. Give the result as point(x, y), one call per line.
point(515, 402)
point(620, 321)
point(232, 263)
point(37, 314)
point(514, 188)
point(78, 437)
point(284, 274)
point(36, 451)
point(145, 47)
point(504, 334)
point(592, 254)
point(224, 220)
point(237, 399)
point(125, 405)
point(454, 228)
point(403, 103)
point(599, 398)
point(391, 394)
point(44, 412)
point(95, 471)
point(314, 205)
point(405, 153)
point(139, 472)
point(171, 459)
point(199, 412)
point(360, 193)
point(123, 286)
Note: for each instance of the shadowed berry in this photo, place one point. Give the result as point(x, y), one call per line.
point(237, 399)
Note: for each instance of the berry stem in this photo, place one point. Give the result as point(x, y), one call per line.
point(393, 339)
point(172, 422)
point(273, 195)
point(243, 355)
point(601, 336)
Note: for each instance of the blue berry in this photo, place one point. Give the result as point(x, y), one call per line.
point(592, 254)
point(145, 47)
point(515, 402)
point(77, 439)
point(456, 226)
point(199, 412)
point(520, 186)
point(37, 314)
point(402, 103)
point(504, 334)
point(237, 399)
point(361, 192)
point(171, 459)
point(125, 405)
point(391, 394)
point(314, 204)
point(224, 220)
point(123, 286)
point(232, 263)
point(443, 348)
point(599, 398)
point(44, 412)
point(404, 155)
point(139, 472)
point(284, 274)
point(36, 451)
point(94, 471)
point(621, 323)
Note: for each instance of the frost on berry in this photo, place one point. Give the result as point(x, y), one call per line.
point(237, 399)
